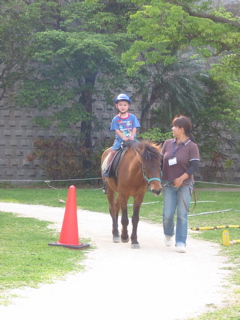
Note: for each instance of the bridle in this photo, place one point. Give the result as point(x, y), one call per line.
point(144, 175)
point(146, 178)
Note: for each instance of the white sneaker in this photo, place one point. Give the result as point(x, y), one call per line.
point(168, 241)
point(181, 249)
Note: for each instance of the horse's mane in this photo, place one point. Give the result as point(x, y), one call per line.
point(150, 152)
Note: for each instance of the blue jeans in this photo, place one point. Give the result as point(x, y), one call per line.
point(176, 199)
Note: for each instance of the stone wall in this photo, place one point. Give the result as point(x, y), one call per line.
point(18, 132)
point(224, 170)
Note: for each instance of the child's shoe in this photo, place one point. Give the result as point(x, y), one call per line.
point(105, 174)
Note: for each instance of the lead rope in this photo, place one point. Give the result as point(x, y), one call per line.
point(192, 191)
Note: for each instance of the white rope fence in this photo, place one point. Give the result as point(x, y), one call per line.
point(100, 178)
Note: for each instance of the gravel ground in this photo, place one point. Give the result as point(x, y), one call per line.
point(151, 283)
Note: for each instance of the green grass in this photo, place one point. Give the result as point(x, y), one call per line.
point(25, 257)
point(37, 263)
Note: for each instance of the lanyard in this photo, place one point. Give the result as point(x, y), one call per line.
point(179, 147)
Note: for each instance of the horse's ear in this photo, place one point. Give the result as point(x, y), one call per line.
point(160, 146)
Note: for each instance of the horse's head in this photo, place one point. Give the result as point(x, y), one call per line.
point(151, 165)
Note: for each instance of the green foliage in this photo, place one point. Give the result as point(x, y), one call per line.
point(15, 35)
point(221, 110)
point(162, 26)
point(71, 49)
point(65, 54)
point(152, 45)
point(174, 41)
point(155, 135)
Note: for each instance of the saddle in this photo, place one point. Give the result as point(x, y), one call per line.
point(114, 165)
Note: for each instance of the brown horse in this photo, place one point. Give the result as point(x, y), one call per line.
point(138, 169)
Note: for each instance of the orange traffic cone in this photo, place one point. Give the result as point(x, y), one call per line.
point(69, 233)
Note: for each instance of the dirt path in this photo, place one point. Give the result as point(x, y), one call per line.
point(152, 283)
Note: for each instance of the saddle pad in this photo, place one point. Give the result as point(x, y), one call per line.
point(104, 164)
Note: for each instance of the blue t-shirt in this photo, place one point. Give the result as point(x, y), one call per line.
point(125, 125)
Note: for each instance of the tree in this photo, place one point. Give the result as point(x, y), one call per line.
point(173, 89)
point(163, 27)
point(171, 32)
point(64, 55)
point(205, 6)
point(75, 57)
point(15, 35)
point(61, 55)
point(69, 52)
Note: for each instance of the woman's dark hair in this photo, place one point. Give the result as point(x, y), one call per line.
point(185, 123)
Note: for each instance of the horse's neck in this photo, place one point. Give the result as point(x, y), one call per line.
point(135, 164)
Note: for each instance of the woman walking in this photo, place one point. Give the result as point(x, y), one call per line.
point(180, 161)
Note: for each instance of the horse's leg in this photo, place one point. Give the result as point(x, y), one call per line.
point(135, 219)
point(124, 220)
point(114, 210)
point(117, 209)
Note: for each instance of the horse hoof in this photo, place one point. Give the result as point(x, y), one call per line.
point(124, 240)
point(116, 239)
point(135, 246)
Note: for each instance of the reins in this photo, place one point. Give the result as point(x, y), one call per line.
point(193, 192)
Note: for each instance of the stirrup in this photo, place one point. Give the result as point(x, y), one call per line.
point(105, 184)
point(105, 173)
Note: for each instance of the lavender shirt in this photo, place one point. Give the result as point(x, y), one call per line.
point(184, 152)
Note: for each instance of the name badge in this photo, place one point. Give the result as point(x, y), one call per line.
point(172, 161)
